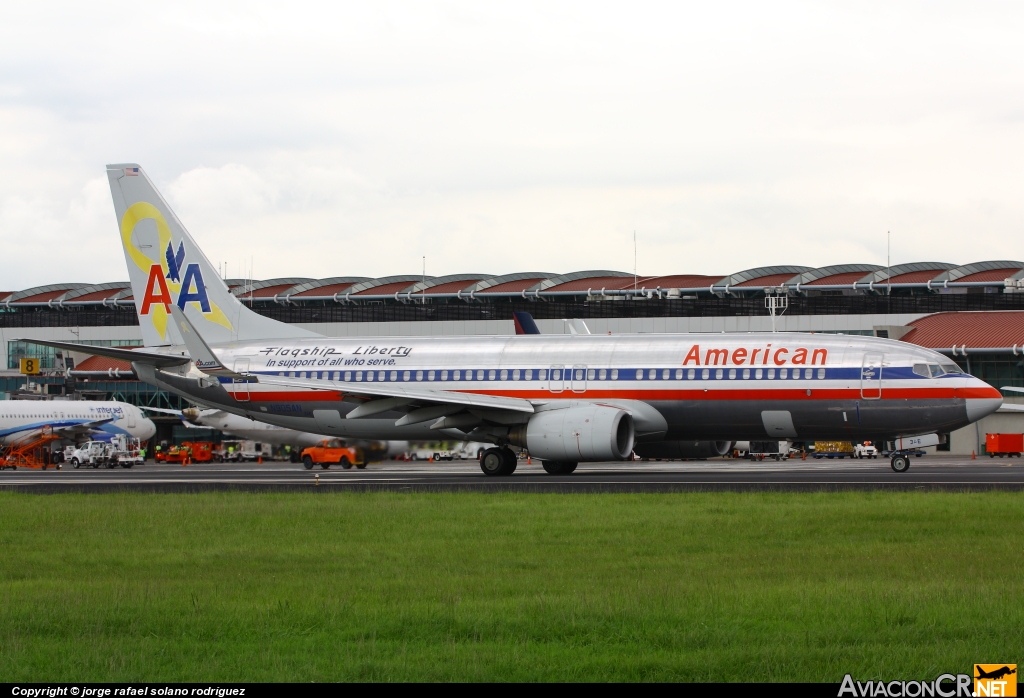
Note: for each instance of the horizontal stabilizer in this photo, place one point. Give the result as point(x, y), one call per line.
point(150, 358)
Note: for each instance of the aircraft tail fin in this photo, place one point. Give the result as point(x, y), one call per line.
point(524, 323)
point(167, 268)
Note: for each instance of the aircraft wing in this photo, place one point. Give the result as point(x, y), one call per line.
point(162, 410)
point(398, 396)
point(151, 358)
point(1012, 388)
point(1011, 407)
point(84, 428)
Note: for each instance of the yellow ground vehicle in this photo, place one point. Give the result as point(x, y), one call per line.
point(331, 451)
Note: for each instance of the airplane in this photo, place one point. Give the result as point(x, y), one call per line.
point(71, 419)
point(996, 673)
point(565, 398)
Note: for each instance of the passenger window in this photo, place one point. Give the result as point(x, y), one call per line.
point(504, 375)
point(603, 374)
point(431, 375)
point(665, 374)
point(821, 374)
point(732, 374)
point(456, 375)
point(348, 376)
point(653, 374)
point(380, 375)
point(419, 375)
point(704, 374)
point(529, 374)
point(758, 373)
point(679, 374)
point(690, 374)
point(369, 376)
point(921, 370)
point(808, 373)
point(542, 374)
point(639, 374)
point(615, 374)
point(746, 374)
point(591, 374)
point(515, 374)
point(783, 373)
point(480, 375)
point(771, 373)
point(719, 373)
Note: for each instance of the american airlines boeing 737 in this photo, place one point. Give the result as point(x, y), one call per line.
point(565, 398)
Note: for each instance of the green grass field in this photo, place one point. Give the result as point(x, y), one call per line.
point(396, 587)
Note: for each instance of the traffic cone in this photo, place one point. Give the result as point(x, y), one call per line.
point(803, 456)
point(529, 461)
point(974, 456)
point(259, 459)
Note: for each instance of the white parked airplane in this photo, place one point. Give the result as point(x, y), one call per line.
point(72, 418)
point(566, 398)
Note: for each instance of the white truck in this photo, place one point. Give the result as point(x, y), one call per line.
point(91, 454)
point(120, 450)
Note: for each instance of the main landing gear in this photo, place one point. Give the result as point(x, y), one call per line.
point(900, 463)
point(558, 467)
point(498, 461)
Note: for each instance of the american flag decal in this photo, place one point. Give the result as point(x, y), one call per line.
point(131, 171)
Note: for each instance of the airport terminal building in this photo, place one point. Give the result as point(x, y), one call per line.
point(973, 313)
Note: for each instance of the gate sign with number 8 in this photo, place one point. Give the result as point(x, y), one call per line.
point(30, 367)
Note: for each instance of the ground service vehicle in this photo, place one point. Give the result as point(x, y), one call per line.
point(1004, 445)
point(331, 451)
point(833, 449)
point(91, 454)
point(759, 450)
point(565, 398)
point(865, 450)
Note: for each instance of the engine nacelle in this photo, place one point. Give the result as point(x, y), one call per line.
point(683, 449)
point(575, 434)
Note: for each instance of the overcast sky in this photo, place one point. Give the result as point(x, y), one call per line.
point(352, 139)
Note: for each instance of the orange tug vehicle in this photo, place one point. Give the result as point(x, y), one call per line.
point(331, 451)
point(187, 452)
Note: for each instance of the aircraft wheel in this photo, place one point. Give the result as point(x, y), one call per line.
point(510, 460)
point(345, 462)
point(493, 462)
point(900, 464)
point(558, 467)
point(307, 462)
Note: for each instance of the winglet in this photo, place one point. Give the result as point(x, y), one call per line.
point(204, 358)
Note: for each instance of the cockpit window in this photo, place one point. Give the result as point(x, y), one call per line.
point(936, 370)
point(921, 370)
point(952, 368)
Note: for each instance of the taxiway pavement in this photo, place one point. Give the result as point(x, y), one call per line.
point(929, 472)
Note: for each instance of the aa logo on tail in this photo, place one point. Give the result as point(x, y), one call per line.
point(170, 274)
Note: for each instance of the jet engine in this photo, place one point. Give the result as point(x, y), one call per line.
point(683, 449)
point(574, 434)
